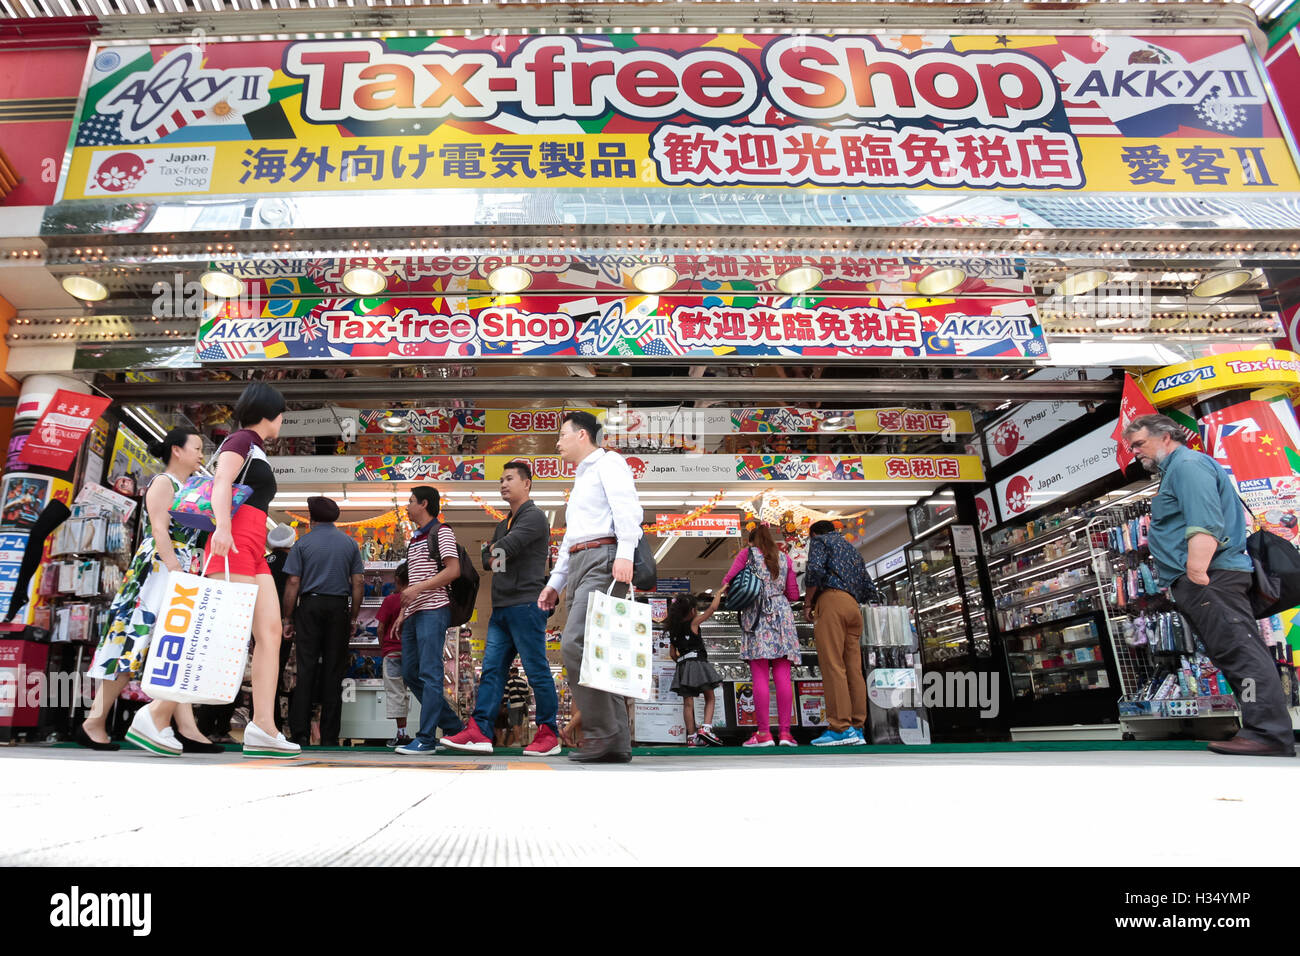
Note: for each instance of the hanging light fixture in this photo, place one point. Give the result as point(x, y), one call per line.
point(509, 279)
point(941, 281)
point(1221, 283)
point(654, 279)
point(799, 280)
point(364, 281)
point(221, 284)
point(1081, 283)
point(84, 288)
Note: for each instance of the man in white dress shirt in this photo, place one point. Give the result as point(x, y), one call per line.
point(602, 528)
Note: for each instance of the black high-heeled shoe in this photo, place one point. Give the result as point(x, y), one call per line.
point(84, 739)
point(198, 747)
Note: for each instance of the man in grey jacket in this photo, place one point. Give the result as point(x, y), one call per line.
point(517, 560)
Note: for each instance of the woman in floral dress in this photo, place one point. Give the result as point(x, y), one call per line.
point(769, 640)
point(122, 649)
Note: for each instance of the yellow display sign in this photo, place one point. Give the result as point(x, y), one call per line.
point(922, 468)
point(909, 421)
point(1216, 373)
point(1157, 114)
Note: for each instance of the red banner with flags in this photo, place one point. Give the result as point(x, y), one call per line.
point(1134, 404)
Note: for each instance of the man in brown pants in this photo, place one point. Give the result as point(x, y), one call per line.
point(835, 582)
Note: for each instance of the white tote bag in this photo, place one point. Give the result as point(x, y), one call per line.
point(616, 653)
point(200, 639)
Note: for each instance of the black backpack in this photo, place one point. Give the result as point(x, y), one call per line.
point(462, 593)
point(1275, 586)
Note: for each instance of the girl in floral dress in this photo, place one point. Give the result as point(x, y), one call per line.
point(122, 649)
point(769, 640)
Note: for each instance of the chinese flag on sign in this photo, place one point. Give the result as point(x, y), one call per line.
point(1133, 405)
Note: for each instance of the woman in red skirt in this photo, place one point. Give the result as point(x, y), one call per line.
point(240, 539)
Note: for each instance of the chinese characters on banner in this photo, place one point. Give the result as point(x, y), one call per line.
point(704, 468)
point(1153, 114)
point(627, 328)
point(57, 437)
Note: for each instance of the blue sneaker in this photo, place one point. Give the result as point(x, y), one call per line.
point(859, 740)
point(418, 747)
point(833, 738)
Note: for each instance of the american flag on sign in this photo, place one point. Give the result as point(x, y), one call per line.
point(177, 120)
point(219, 351)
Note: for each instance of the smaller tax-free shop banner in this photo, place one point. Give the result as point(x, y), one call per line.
point(626, 328)
point(1149, 113)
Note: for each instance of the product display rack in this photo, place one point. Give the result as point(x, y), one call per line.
point(1148, 709)
point(1050, 614)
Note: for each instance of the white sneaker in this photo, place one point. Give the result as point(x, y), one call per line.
point(258, 743)
point(143, 733)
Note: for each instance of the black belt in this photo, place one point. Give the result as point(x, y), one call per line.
point(336, 597)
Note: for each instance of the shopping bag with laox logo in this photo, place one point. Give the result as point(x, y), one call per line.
point(200, 638)
point(616, 653)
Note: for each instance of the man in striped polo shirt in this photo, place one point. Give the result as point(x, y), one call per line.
point(432, 563)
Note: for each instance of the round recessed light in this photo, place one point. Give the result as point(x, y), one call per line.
point(799, 279)
point(393, 423)
point(941, 281)
point(1083, 282)
point(85, 288)
point(363, 281)
point(613, 418)
point(1221, 283)
point(654, 279)
point(835, 423)
point(221, 284)
point(509, 279)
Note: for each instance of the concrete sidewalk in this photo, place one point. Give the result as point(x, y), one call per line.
point(75, 807)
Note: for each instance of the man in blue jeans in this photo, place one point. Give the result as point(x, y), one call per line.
point(428, 615)
point(517, 559)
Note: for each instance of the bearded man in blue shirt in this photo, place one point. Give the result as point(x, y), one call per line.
point(1198, 542)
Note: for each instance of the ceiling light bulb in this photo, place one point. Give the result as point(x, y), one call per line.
point(654, 279)
point(393, 423)
point(1083, 282)
point(1221, 283)
point(221, 284)
point(363, 281)
point(941, 281)
point(509, 279)
point(85, 288)
point(798, 280)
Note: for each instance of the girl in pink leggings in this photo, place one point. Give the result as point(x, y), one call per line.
point(768, 637)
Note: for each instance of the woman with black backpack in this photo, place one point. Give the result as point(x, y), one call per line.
point(762, 579)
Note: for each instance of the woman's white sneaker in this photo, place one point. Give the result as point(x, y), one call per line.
point(257, 743)
point(143, 733)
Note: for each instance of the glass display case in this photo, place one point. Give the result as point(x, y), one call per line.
point(951, 619)
point(1050, 612)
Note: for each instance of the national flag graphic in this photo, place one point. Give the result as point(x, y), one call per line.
point(1133, 404)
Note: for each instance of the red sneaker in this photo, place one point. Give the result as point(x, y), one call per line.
point(470, 739)
point(545, 744)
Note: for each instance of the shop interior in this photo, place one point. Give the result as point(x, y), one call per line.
point(1102, 311)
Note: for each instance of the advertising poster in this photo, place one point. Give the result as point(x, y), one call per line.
point(131, 459)
point(708, 526)
point(744, 697)
point(962, 112)
point(1258, 441)
point(22, 498)
point(811, 698)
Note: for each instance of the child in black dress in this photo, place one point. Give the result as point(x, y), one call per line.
point(694, 674)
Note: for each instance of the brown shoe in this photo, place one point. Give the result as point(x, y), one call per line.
point(1244, 747)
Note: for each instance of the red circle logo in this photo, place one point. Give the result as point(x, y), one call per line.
point(1018, 494)
point(1006, 438)
point(637, 466)
point(985, 513)
point(120, 172)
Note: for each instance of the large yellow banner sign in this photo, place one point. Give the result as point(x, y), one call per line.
point(1110, 113)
